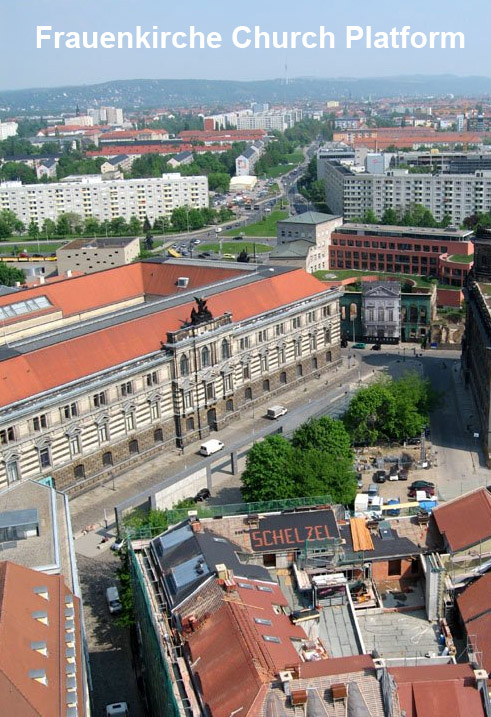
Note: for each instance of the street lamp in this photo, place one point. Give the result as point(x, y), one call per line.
point(219, 240)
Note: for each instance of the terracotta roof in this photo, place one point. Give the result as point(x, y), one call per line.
point(335, 666)
point(465, 521)
point(20, 694)
point(438, 690)
point(225, 661)
point(43, 369)
point(475, 607)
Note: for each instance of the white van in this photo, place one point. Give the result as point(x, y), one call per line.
point(210, 447)
point(276, 412)
point(113, 601)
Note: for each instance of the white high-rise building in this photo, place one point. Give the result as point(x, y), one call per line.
point(8, 129)
point(107, 115)
point(88, 196)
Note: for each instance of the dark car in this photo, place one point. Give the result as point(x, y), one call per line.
point(202, 494)
point(376, 347)
point(413, 441)
point(379, 477)
point(403, 474)
point(237, 238)
point(421, 485)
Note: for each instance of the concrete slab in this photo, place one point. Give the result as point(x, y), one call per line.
point(407, 634)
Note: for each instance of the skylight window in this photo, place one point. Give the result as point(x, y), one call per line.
point(264, 588)
point(24, 307)
point(271, 638)
point(262, 621)
point(247, 586)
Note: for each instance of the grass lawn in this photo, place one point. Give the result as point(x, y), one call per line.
point(462, 258)
point(265, 228)
point(419, 281)
point(31, 247)
point(234, 247)
point(292, 159)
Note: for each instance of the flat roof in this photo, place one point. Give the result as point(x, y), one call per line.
point(448, 233)
point(97, 243)
point(310, 218)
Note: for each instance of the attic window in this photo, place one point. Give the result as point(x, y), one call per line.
point(40, 647)
point(262, 621)
point(42, 591)
point(246, 586)
point(69, 612)
point(38, 676)
point(69, 600)
point(271, 638)
point(264, 588)
point(40, 616)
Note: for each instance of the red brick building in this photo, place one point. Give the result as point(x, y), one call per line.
point(442, 253)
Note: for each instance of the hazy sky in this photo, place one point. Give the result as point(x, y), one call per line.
point(22, 65)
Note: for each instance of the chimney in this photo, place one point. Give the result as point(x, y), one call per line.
point(42, 280)
point(68, 273)
point(481, 677)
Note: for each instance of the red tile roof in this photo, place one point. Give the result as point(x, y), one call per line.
point(19, 693)
point(438, 691)
point(226, 672)
point(475, 607)
point(465, 521)
point(335, 666)
point(41, 370)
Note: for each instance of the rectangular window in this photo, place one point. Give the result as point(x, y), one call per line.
point(228, 384)
point(264, 363)
point(262, 336)
point(74, 445)
point(152, 378)
point(40, 422)
point(244, 342)
point(311, 317)
point(129, 421)
point(188, 399)
point(13, 473)
point(99, 399)
point(246, 372)
point(210, 391)
point(394, 567)
point(102, 432)
point(44, 458)
point(69, 411)
point(7, 435)
point(280, 329)
point(154, 411)
point(296, 322)
point(126, 388)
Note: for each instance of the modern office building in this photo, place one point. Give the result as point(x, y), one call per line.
point(279, 120)
point(101, 371)
point(445, 254)
point(91, 197)
point(352, 193)
point(8, 129)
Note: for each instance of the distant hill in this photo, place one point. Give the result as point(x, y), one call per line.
point(192, 93)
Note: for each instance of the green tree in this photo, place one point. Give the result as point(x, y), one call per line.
point(9, 224)
point(33, 229)
point(134, 226)
point(268, 472)
point(48, 229)
point(9, 275)
point(324, 434)
point(390, 217)
point(118, 226)
point(91, 226)
point(317, 473)
point(371, 413)
point(219, 182)
point(63, 225)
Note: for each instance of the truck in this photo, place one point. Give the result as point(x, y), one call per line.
point(361, 504)
point(212, 446)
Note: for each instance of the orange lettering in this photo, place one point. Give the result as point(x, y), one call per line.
point(318, 532)
point(278, 536)
point(266, 542)
point(309, 530)
point(288, 536)
point(256, 539)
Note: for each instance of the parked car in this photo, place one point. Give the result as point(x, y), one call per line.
point(113, 600)
point(403, 474)
point(202, 495)
point(413, 441)
point(379, 477)
point(394, 511)
point(359, 345)
point(359, 480)
point(210, 447)
point(117, 709)
point(118, 544)
point(421, 485)
point(376, 347)
point(275, 412)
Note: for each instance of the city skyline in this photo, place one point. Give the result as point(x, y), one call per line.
point(49, 67)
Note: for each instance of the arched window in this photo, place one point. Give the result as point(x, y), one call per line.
point(205, 356)
point(248, 394)
point(353, 311)
point(79, 472)
point(133, 447)
point(225, 349)
point(107, 459)
point(184, 365)
point(158, 436)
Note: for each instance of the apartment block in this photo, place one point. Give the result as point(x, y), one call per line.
point(352, 192)
point(90, 197)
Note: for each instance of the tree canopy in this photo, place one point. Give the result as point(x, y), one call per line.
point(317, 461)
